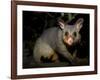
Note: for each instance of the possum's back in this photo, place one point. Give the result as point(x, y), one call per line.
point(49, 36)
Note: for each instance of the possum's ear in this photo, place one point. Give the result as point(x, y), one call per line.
point(79, 23)
point(61, 24)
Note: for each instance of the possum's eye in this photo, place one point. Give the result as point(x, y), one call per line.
point(75, 34)
point(66, 33)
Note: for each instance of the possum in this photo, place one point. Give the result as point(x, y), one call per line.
point(54, 41)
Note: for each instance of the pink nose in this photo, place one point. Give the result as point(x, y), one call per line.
point(70, 41)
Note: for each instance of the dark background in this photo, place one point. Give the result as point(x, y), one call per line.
point(34, 23)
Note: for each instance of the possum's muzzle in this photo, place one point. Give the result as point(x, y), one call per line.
point(68, 40)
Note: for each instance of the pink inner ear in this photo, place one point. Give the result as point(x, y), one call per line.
point(79, 23)
point(80, 20)
point(61, 25)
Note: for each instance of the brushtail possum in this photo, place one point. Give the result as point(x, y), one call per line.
point(55, 40)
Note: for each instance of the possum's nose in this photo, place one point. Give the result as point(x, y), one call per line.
point(70, 40)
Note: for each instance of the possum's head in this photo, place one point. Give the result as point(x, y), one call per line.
point(71, 32)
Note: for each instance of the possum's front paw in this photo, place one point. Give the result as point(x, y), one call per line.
point(75, 60)
point(75, 54)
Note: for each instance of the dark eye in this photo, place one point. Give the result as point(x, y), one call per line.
point(75, 34)
point(66, 33)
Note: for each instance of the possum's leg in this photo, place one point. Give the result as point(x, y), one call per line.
point(43, 51)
